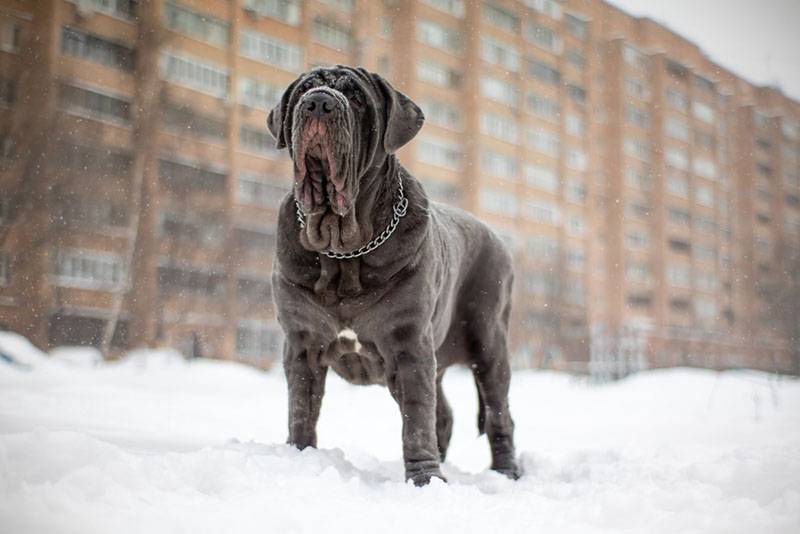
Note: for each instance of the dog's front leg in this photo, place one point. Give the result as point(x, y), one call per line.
point(305, 378)
point(412, 382)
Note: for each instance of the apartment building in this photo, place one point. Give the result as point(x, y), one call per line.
point(643, 189)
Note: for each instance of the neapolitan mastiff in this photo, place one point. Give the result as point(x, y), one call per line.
point(377, 282)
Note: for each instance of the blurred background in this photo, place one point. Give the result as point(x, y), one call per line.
point(651, 196)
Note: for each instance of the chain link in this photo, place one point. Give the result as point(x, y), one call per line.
point(399, 209)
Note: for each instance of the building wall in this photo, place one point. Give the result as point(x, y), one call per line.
point(643, 189)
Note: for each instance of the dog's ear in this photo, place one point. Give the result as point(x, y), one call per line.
point(402, 117)
point(277, 119)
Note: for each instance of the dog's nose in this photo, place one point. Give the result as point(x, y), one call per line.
point(319, 104)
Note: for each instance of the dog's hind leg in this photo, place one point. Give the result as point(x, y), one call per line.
point(493, 376)
point(444, 420)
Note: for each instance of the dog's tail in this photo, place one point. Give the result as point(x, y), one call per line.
point(481, 410)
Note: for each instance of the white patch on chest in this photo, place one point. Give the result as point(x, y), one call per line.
point(350, 335)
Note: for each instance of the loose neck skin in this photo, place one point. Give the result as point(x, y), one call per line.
point(376, 196)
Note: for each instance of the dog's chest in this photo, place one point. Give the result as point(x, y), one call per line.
point(353, 361)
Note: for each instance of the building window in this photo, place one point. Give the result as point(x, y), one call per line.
point(98, 159)
point(195, 74)
point(636, 88)
point(440, 190)
point(543, 141)
point(704, 195)
point(331, 34)
point(195, 227)
point(704, 224)
point(678, 185)
point(575, 125)
point(10, 37)
point(677, 158)
point(184, 279)
point(637, 148)
point(88, 269)
point(703, 112)
point(575, 191)
point(498, 202)
point(706, 309)
point(542, 177)
point(451, 7)
point(550, 8)
point(286, 11)
point(93, 214)
point(679, 216)
point(195, 24)
point(636, 271)
point(637, 209)
point(500, 17)
point(679, 275)
point(541, 247)
point(258, 341)
point(254, 289)
point(543, 107)
point(441, 114)
point(704, 167)
point(259, 190)
point(542, 212)
point(183, 120)
point(677, 128)
point(254, 241)
point(117, 8)
point(500, 165)
point(543, 37)
point(576, 27)
point(637, 116)
point(576, 58)
point(503, 128)
point(575, 225)
point(8, 91)
point(271, 51)
point(91, 48)
point(633, 57)
point(576, 159)
point(500, 91)
point(437, 73)
point(344, 5)
point(93, 105)
point(637, 240)
point(438, 36)
point(259, 141)
point(256, 94)
point(543, 72)
point(677, 100)
point(499, 53)
point(439, 152)
point(181, 177)
point(576, 93)
point(638, 177)
point(5, 269)
point(576, 258)
point(705, 281)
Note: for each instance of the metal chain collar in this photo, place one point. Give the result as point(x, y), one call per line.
point(398, 211)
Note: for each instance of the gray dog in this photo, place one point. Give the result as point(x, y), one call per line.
point(377, 282)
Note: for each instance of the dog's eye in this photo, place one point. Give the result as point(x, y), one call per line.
point(354, 96)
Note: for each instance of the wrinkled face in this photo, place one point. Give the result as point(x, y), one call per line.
point(339, 123)
point(329, 114)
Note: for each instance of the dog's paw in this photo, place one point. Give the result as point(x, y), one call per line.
point(424, 478)
point(511, 471)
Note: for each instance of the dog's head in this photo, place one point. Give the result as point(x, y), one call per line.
point(337, 123)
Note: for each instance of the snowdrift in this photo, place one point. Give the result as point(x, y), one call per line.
point(154, 443)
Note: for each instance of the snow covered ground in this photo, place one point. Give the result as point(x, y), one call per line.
point(156, 444)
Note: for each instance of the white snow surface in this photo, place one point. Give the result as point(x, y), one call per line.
point(157, 444)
